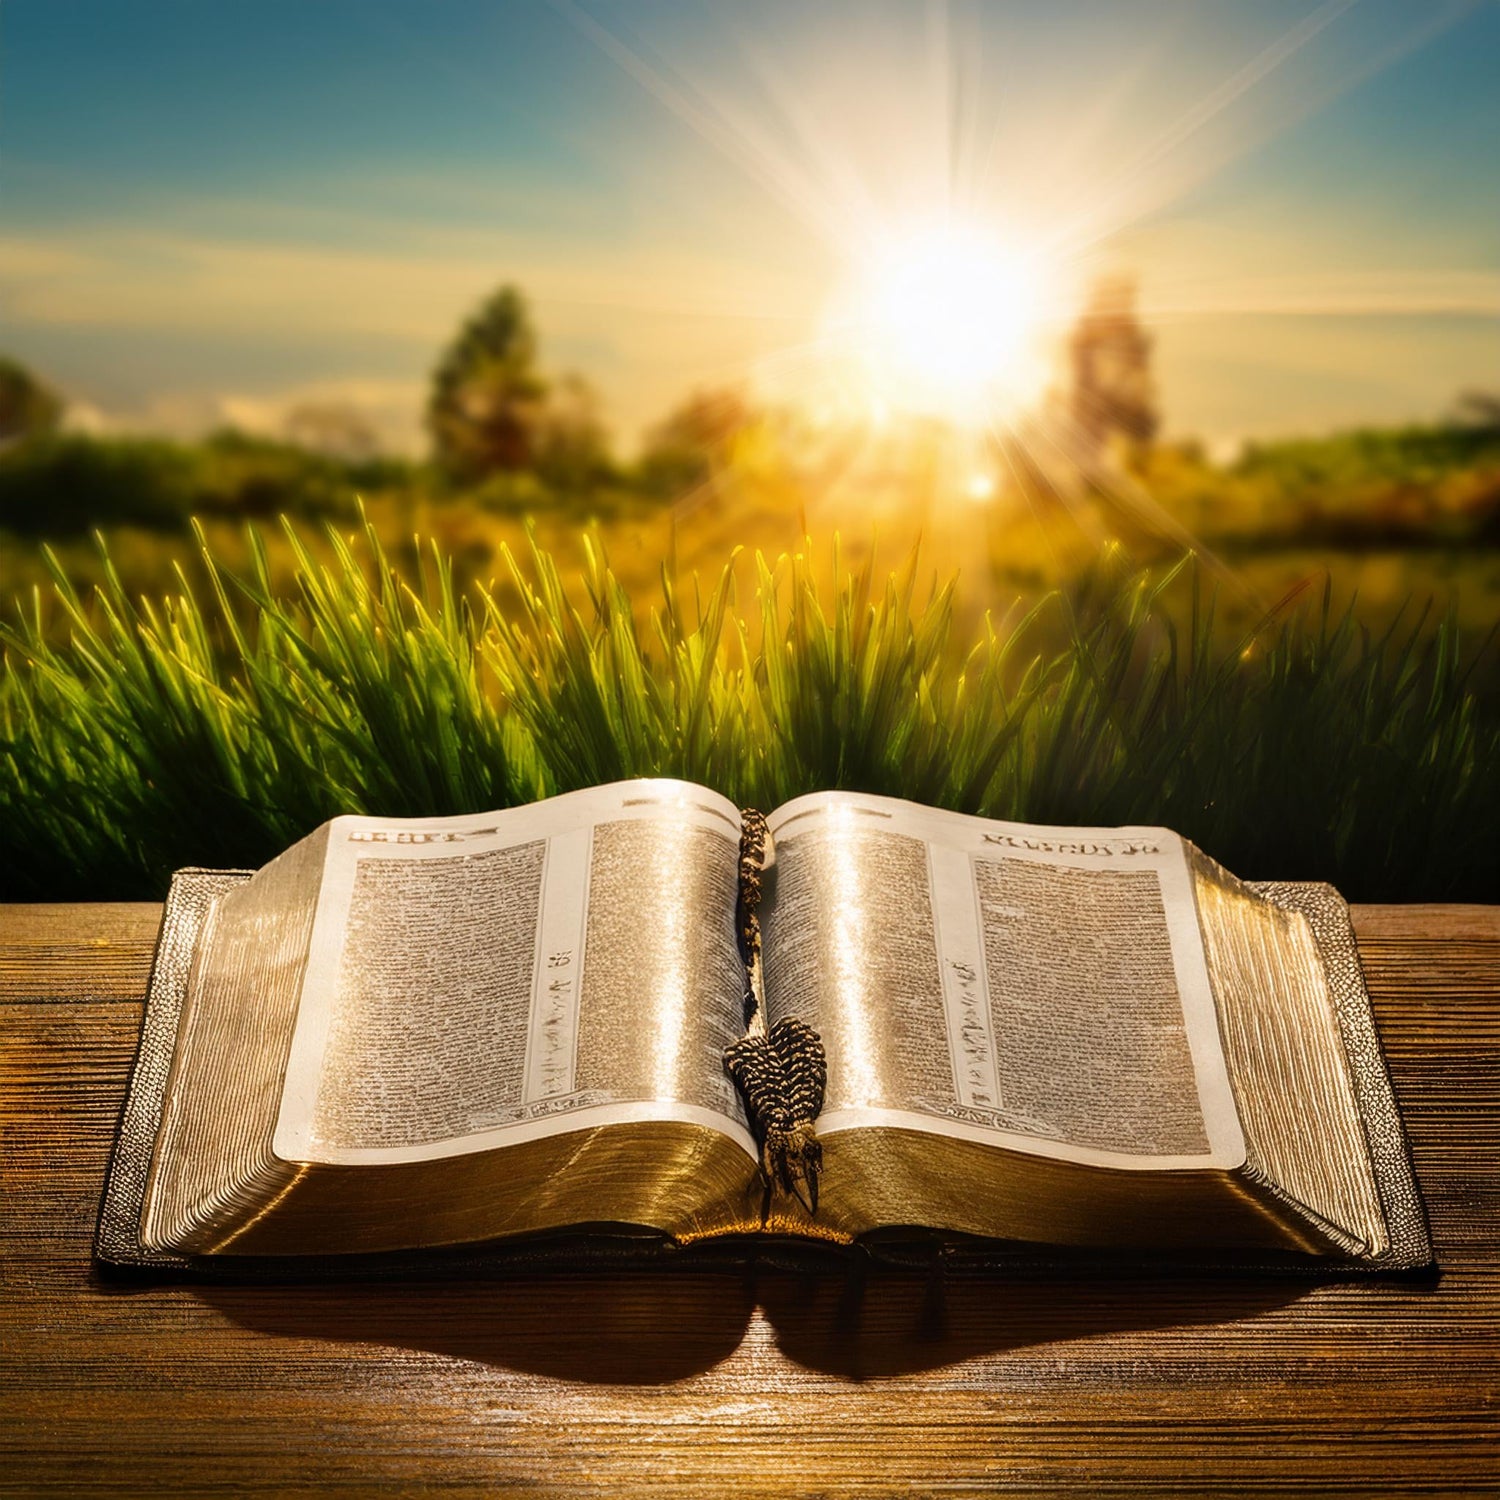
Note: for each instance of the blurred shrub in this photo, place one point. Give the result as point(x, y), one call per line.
point(65, 485)
point(696, 438)
point(61, 486)
point(1402, 487)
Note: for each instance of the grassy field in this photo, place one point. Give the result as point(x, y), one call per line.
point(1314, 692)
point(218, 723)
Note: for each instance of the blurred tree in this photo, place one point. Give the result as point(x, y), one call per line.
point(572, 444)
point(485, 410)
point(694, 439)
point(1114, 395)
point(28, 408)
point(1480, 409)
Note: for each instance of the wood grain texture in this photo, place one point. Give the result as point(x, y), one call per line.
point(763, 1382)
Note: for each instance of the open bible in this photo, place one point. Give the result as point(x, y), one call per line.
point(407, 1034)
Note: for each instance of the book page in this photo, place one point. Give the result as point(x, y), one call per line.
point(1043, 989)
point(479, 981)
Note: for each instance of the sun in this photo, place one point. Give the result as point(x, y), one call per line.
point(946, 322)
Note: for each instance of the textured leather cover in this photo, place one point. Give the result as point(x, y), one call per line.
point(118, 1248)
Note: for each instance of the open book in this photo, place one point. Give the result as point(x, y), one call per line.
point(405, 1034)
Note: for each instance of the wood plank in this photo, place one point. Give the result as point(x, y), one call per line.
point(67, 953)
point(766, 1382)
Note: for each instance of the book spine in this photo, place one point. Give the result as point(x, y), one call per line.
point(753, 838)
point(780, 1071)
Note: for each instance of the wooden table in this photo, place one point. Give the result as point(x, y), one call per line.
point(711, 1383)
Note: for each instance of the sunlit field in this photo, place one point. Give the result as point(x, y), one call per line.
point(1287, 658)
point(1393, 529)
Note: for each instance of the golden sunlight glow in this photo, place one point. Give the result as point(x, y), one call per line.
point(946, 323)
point(981, 487)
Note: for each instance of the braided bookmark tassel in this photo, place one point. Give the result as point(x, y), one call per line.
point(782, 1076)
point(753, 835)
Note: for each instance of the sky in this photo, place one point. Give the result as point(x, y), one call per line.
point(220, 211)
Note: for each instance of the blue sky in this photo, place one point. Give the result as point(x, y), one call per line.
point(221, 209)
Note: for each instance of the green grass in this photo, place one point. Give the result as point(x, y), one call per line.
point(147, 734)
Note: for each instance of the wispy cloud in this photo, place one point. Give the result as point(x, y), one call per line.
point(1346, 294)
point(134, 278)
point(391, 410)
